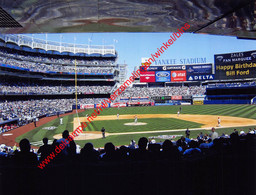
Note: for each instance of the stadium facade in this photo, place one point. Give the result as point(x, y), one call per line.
point(38, 77)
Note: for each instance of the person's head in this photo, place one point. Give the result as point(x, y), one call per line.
point(167, 145)
point(65, 134)
point(193, 144)
point(88, 147)
point(182, 138)
point(24, 145)
point(109, 148)
point(143, 143)
point(45, 141)
point(213, 129)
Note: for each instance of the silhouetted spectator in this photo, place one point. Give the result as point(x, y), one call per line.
point(193, 148)
point(170, 151)
point(25, 157)
point(89, 154)
point(45, 149)
point(141, 153)
point(110, 152)
point(122, 153)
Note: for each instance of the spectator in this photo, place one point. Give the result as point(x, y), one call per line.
point(25, 157)
point(44, 150)
point(213, 135)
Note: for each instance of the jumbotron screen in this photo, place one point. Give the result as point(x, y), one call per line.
point(235, 65)
point(177, 73)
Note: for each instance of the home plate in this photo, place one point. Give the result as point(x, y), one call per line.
point(134, 124)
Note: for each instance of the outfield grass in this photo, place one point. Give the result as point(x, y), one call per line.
point(246, 111)
point(114, 126)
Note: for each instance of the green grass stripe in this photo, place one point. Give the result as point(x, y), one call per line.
point(115, 126)
point(240, 112)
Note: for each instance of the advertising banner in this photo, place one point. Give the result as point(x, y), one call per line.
point(100, 105)
point(178, 76)
point(164, 68)
point(163, 104)
point(202, 69)
point(238, 65)
point(138, 103)
point(147, 76)
point(176, 97)
point(163, 76)
point(200, 77)
point(116, 105)
point(198, 102)
point(86, 106)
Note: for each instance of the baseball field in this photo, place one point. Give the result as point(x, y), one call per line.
point(158, 121)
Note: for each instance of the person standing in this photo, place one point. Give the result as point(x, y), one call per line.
point(135, 119)
point(180, 109)
point(35, 122)
point(219, 122)
point(117, 116)
point(178, 113)
point(61, 121)
point(187, 132)
point(213, 135)
point(103, 132)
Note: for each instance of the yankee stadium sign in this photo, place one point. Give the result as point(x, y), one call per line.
point(180, 61)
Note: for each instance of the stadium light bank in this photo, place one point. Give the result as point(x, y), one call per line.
point(118, 92)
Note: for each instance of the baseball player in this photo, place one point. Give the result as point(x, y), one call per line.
point(135, 119)
point(117, 116)
point(61, 121)
point(178, 113)
point(219, 122)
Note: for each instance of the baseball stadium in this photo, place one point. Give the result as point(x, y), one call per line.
point(178, 127)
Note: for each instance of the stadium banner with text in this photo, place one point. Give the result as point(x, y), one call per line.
point(164, 68)
point(200, 77)
point(163, 104)
point(163, 76)
point(100, 105)
point(116, 105)
point(178, 76)
point(138, 103)
point(86, 106)
point(238, 65)
point(176, 97)
point(147, 76)
point(198, 102)
point(199, 69)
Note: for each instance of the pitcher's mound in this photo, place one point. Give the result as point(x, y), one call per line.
point(134, 124)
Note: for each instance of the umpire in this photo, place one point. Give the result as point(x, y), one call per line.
point(187, 132)
point(103, 132)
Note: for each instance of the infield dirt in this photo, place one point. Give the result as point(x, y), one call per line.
point(208, 121)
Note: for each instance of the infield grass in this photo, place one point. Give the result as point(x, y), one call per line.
point(114, 126)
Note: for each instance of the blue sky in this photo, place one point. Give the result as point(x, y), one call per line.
point(131, 47)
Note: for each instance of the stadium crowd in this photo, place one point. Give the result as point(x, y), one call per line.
point(163, 91)
point(146, 149)
point(36, 65)
point(182, 166)
point(36, 58)
point(23, 88)
point(27, 111)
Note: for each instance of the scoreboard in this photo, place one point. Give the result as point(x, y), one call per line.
point(177, 73)
point(238, 65)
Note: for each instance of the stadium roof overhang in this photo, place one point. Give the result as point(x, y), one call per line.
point(229, 17)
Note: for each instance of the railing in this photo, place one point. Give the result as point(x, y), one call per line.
point(22, 40)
